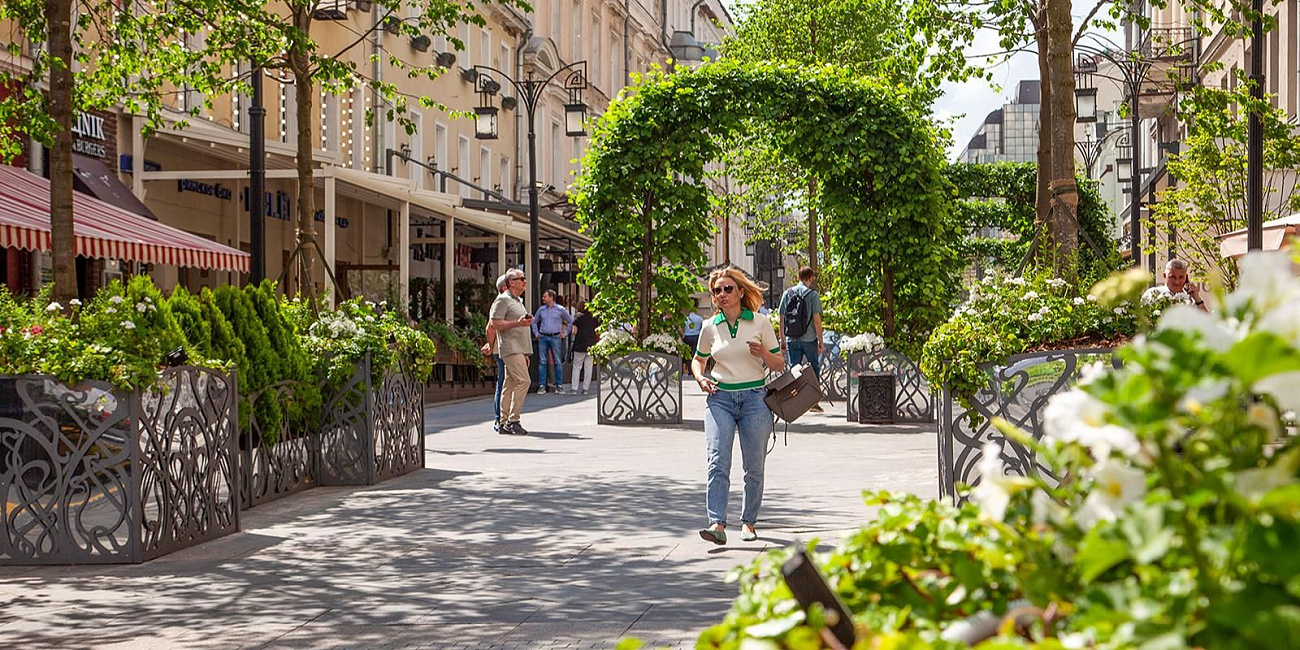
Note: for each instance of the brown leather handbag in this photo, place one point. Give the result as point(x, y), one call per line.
point(793, 392)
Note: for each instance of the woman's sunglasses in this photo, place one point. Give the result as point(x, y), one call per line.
point(724, 288)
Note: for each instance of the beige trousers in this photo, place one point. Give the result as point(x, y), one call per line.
point(516, 387)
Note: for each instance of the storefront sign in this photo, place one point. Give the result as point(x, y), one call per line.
point(341, 222)
point(210, 189)
point(126, 162)
point(90, 140)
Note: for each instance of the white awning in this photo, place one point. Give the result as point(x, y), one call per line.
point(439, 203)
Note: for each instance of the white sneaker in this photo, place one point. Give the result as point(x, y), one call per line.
point(541, 390)
point(559, 390)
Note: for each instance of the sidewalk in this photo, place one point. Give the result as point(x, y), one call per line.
point(568, 538)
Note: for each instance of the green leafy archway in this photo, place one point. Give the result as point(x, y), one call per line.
point(645, 200)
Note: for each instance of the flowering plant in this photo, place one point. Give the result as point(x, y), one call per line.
point(664, 343)
point(345, 335)
point(861, 343)
point(1009, 315)
point(1173, 522)
point(121, 336)
point(614, 343)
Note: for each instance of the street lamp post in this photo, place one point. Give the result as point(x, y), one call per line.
point(1090, 149)
point(529, 91)
point(1255, 134)
point(1134, 70)
point(256, 182)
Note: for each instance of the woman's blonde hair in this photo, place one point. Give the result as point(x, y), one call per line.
point(750, 296)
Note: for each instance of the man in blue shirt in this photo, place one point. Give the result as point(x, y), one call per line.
point(550, 326)
point(807, 343)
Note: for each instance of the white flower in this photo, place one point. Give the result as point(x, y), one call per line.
point(1263, 416)
point(1029, 295)
point(110, 310)
point(1202, 393)
point(127, 325)
point(54, 306)
point(74, 302)
point(1076, 416)
point(1184, 318)
point(1266, 281)
point(1045, 310)
point(1092, 298)
point(116, 300)
point(1256, 482)
point(1283, 387)
point(1020, 282)
point(864, 342)
point(1044, 510)
point(1078, 300)
point(1091, 372)
point(1120, 311)
point(991, 494)
point(1115, 485)
point(1284, 321)
point(1035, 317)
point(1056, 283)
point(141, 307)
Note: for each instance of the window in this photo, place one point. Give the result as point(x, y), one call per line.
point(440, 150)
point(484, 48)
point(390, 141)
point(503, 178)
point(615, 63)
point(417, 150)
point(577, 158)
point(506, 64)
point(555, 17)
point(466, 50)
point(575, 52)
point(440, 42)
point(484, 179)
point(359, 134)
point(557, 155)
point(595, 37)
point(462, 164)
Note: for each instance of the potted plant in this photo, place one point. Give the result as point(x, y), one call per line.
point(638, 382)
point(115, 450)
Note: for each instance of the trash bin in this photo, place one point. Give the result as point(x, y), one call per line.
point(876, 398)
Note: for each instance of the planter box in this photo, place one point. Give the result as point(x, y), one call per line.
point(640, 388)
point(1017, 391)
point(913, 399)
point(91, 474)
point(274, 472)
point(370, 433)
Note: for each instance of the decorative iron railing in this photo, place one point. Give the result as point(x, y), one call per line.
point(273, 471)
point(92, 474)
point(1016, 392)
point(913, 398)
point(367, 436)
point(640, 388)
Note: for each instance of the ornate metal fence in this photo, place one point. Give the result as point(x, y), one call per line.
point(640, 388)
point(91, 474)
point(1016, 392)
point(270, 472)
point(368, 436)
point(913, 397)
point(835, 377)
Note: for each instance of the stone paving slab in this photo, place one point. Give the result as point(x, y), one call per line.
point(569, 538)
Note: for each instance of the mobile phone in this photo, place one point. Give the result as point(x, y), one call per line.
point(809, 587)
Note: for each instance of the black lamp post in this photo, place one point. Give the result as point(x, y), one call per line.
point(1134, 69)
point(529, 91)
point(1090, 148)
point(1255, 134)
point(256, 181)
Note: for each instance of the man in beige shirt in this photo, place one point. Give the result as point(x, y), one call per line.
point(512, 323)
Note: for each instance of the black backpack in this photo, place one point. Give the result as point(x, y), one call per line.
point(794, 322)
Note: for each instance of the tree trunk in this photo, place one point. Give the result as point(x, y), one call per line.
point(812, 224)
point(1063, 231)
point(1042, 176)
point(63, 242)
point(645, 287)
point(300, 65)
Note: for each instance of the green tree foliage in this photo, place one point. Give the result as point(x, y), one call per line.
point(995, 211)
point(190, 318)
point(645, 200)
point(261, 360)
point(1210, 197)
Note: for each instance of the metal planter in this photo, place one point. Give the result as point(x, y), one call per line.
point(91, 474)
point(370, 433)
point(273, 472)
point(914, 400)
point(1017, 391)
point(640, 388)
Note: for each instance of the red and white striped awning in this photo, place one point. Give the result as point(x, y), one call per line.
point(103, 230)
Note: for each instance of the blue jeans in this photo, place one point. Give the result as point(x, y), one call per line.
point(729, 413)
point(797, 351)
point(501, 381)
point(547, 345)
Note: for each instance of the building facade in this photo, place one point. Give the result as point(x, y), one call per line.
point(1010, 133)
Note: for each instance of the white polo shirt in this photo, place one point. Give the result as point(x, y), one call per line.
point(734, 368)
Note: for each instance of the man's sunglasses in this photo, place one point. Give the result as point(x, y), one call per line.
point(724, 288)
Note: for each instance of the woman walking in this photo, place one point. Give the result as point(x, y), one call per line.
point(743, 347)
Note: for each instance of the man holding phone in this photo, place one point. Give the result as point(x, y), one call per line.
point(513, 323)
point(1176, 286)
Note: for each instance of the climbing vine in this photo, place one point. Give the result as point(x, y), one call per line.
point(644, 195)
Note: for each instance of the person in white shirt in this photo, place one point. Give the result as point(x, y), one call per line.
point(743, 348)
point(1177, 286)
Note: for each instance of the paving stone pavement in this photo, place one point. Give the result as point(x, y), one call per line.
point(572, 537)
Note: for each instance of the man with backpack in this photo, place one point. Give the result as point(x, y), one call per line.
point(800, 327)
